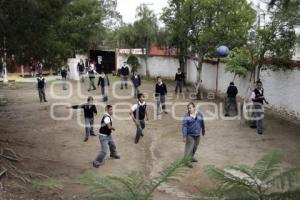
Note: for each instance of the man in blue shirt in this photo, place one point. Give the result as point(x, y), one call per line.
point(192, 127)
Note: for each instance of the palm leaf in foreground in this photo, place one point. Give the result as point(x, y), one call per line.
point(264, 181)
point(132, 186)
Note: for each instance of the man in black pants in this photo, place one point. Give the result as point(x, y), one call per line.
point(64, 74)
point(160, 94)
point(89, 110)
point(179, 81)
point(106, 139)
point(138, 113)
point(231, 98)
point(41, 85)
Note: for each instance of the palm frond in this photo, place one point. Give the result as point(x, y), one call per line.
point(268, 165)
point(288, 178)
point(287, 195)
point(169, 174)
point(100, 185)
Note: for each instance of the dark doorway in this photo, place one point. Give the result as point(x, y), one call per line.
point(105, 60)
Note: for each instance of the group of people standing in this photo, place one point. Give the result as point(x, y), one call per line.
point(193, 126)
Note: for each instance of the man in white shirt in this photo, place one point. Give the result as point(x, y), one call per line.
point(106, 139)
point(258, 100)
point(138, 113)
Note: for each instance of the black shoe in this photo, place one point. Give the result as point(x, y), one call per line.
point(227, 115)
point(115, 157)
point(93, 134)
point(86, 139)
point(89, 90)
point(45, 101)
point(142, 135)
point(194, 160)
point(96, 166)
point(165, 112)
point(189, 165)
point(260, 132)
point(252, 126)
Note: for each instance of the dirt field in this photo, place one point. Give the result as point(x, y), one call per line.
point(56, 147)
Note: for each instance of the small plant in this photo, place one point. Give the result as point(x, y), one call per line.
point(264, 181)
point(133, 62)
point(133, 186)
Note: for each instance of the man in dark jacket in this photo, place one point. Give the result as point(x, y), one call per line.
point(232, 91)
point(64, 74)
point(41, 85)
point(124, 73)
point(160, 94)
point(136, 82)
point(89, 110)
point(179, 80)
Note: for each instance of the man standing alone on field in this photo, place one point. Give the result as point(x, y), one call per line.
point(124, 73)
point(192, 128)
point(232, 91)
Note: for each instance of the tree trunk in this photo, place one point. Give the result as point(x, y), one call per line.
point(199, 77)
point(147, 68)
point(182, 65)
point(258, 71)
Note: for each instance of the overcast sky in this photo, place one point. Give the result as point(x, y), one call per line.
point(127, 8)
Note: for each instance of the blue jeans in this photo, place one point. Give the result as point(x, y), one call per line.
point(89, 127)
point(105, 142)
point(136, 91)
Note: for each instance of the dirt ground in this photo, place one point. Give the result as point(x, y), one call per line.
point(56, 147)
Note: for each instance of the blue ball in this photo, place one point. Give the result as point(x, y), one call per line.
point(223, 51)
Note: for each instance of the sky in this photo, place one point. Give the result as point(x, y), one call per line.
point(127, 8)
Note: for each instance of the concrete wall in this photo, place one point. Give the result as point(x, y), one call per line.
point(72, 62)
point(282, 89)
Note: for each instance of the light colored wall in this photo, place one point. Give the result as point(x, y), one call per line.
point(72, 62)
point(282, 89)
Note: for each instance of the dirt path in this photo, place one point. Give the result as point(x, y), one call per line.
point(56, 147)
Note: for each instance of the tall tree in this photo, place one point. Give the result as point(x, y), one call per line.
point(217, 22)
point(145, 31)
point(177, 26)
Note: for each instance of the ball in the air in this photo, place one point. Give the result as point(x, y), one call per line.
point(223, 51)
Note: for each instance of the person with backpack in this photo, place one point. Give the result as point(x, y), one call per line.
point(105, 138)
point(136, 82)
point(138, 114)
point(103, 82)
point(41, 85)
point(89, 111)
point(160, 94)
